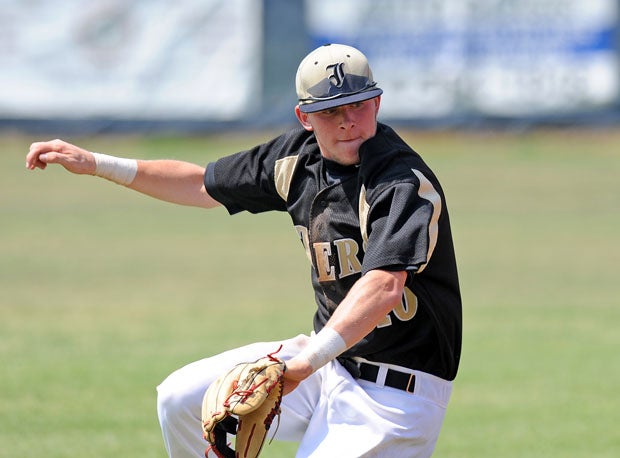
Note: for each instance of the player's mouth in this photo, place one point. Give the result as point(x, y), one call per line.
point(349, 140)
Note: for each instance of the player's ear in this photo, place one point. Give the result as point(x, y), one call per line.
point(303, 119)
point(378, 103)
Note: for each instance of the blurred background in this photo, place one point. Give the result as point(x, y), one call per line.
point(515, 105)
point(196, 65)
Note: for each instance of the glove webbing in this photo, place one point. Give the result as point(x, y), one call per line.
point(221, 447)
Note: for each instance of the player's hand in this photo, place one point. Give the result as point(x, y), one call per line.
point(297, 369)
point(71, 157)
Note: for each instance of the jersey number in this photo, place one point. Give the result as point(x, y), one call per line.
point(404, 311)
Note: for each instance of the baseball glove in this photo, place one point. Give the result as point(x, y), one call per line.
point(250, 391)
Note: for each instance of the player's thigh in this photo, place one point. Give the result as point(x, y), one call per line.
point(185, 387)
point(355, 421)
point(298, 407)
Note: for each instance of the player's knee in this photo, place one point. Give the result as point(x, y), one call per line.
point(172, 403)
point(298, 342)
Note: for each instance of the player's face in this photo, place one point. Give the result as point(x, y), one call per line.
point(340, 131)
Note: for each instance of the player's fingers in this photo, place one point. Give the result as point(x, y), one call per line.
point(32, 164)
point(33, 158)
point(50, 158)
point(37, 154)
point(71, 157)
point(289, 386)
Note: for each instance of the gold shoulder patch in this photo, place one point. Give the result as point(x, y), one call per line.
point(284, 174)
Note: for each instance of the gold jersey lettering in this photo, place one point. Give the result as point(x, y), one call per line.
point(302, 232)
point(404, 311)
point(347, 250)
point(322, 252)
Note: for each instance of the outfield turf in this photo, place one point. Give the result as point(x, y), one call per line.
point(103, 292)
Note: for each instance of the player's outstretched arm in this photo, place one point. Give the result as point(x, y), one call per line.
point(172, 181)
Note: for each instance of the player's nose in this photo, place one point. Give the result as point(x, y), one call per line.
point(347, 120)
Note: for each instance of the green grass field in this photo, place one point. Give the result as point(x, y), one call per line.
point(104, 292)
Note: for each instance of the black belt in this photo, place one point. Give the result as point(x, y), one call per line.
point(393, 378)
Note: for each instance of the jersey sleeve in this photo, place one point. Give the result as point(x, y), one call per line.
point(403, 225)
point(245, 181)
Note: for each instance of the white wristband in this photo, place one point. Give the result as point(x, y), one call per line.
point(323, 347)
point(116, 169)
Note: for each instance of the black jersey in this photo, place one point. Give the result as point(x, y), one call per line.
point(388, 212)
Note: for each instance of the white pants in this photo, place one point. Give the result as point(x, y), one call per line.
point(330, 413)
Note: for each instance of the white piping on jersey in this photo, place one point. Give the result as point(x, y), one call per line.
point(364, 209)
point(283, 170)
point(428, 192)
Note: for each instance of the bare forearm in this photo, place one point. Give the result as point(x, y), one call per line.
point(173, 181)
point(368, 302)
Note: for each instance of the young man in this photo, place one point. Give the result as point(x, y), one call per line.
point(375, 376)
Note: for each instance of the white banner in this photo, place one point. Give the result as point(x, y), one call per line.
point(142, 59)
point(437, 58)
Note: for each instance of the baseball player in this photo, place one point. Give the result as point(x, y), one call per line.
point(374, 376)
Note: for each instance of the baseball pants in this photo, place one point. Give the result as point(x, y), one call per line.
point(329, 414)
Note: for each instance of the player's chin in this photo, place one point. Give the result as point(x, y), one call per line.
point(353, 159)
point(349, 153)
